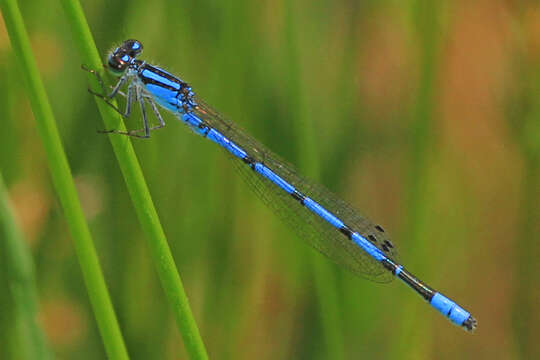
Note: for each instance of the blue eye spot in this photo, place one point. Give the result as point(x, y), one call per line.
point(125, 58)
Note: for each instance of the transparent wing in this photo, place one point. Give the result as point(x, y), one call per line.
point(319, 233)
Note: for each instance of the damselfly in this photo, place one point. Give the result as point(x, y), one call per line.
point(329, 224)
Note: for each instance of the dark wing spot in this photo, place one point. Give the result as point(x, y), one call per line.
point(378, 227)
point(389, 244)
point(372, 238)
point(385, 248)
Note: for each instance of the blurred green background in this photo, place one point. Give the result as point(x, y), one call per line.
point(424, 115)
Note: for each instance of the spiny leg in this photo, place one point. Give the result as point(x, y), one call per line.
point(129, 99)
point(104, 96)
point(96, 74)
point(107, 98)
point(156, 112)
point(133, 91)
point(140, 98)
point(144, 118)
point(116, 90)
point(147, 129)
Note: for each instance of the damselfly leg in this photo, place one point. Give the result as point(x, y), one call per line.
point(134, 93)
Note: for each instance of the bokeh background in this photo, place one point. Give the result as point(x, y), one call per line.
point(424, 115)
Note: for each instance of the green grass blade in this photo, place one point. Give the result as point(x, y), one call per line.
point(138, 190)
point(63, 182)
point(22, 282)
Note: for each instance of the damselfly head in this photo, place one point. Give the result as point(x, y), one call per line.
point(123, 56)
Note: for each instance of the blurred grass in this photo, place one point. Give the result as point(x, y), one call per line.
point(359, 74)
point(525, 105)
point(64, 183)
point(304, 131)
point(425, 19)
point(27, 333)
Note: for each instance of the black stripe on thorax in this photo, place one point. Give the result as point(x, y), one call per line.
point(164, 74)
point(157, 71)
point(147, 80)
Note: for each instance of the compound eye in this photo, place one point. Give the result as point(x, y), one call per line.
point(132, 47)
point(118, 62)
